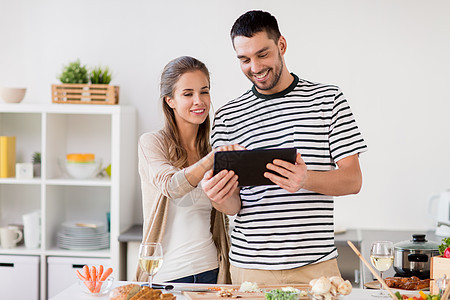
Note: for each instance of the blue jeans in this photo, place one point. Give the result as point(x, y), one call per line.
point(205, 277)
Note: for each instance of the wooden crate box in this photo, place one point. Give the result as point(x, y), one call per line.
point(85, 93)
point(439, 266)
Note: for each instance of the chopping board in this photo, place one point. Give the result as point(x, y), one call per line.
point(242, 295)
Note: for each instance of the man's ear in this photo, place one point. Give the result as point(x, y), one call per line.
point(282, 45)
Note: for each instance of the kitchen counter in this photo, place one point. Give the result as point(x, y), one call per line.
point(73, 292)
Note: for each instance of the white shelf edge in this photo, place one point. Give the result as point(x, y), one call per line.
point(21, 250)
point(89, 182)
point(60, 108)
point(13, 180)
point(104, 253)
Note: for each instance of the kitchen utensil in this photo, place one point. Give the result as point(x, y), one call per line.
point(10, 236)
point(80, 170)
point(12, 95)
point(99, 288)
point(439, 208)
point(169, 287)
point(388, 289)
point(412, 258)
point(32, 229)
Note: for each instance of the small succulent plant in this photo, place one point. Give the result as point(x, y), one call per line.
point(74, 72)
point(100, 75)
point(36, 158)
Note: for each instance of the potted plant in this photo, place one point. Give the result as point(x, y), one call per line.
point(36, 164)
point(74, 72)
point(76, 90)
point(100, 75)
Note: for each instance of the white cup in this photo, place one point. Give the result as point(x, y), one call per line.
point(32, 229)
point(10, 236)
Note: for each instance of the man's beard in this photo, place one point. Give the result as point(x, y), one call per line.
point(275, 80)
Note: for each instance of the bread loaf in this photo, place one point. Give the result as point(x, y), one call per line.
point(135, 292)
point(124, 292)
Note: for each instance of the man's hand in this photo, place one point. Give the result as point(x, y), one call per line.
point(296, 174)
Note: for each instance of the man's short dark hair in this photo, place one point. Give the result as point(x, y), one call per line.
point(253, 22)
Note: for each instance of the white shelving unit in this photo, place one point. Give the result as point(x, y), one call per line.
point(108, 131)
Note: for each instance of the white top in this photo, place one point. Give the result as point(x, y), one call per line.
point(188, 247)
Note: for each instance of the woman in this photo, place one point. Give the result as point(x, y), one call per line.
point(172, 163)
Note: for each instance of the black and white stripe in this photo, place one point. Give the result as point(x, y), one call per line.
point(276, 229)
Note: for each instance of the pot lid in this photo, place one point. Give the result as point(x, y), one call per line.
point(418, 242)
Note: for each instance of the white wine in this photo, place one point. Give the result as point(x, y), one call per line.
point(382, 263)
point(150, 264)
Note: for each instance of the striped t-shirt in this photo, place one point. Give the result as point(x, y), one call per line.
point(276, 229)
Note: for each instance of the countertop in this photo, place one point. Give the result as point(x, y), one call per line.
point(73, 292)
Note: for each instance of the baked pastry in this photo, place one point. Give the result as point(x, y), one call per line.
point(136, 292)
point(124, 292)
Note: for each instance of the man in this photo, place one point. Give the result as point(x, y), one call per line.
point(284, 233)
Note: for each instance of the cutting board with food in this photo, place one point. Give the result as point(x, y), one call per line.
point(236, 292)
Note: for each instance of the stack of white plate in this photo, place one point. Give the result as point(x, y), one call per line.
point(83, 235)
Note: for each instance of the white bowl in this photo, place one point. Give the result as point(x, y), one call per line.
point(82, 170)
point(96, 288)
point(12, 95)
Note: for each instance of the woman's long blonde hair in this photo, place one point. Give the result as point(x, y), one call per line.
point(169, 77)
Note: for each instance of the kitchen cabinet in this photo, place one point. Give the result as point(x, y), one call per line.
point(108, 131)
point(14, 271)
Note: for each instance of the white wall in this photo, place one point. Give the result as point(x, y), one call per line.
point(391, 58)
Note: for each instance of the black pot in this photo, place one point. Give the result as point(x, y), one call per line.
point(413, 258)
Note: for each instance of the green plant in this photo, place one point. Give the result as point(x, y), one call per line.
point(74, 72)
point(36, 157)
point(100, 75)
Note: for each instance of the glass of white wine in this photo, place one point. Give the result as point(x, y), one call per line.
point(382, 258)
point(150, 259)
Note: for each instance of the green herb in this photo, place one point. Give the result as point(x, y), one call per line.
point(74, 72)
point(100, 75)
point(444, 245)
point(398, 295)
point(281, 295)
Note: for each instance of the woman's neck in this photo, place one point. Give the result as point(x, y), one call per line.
point(188, 135)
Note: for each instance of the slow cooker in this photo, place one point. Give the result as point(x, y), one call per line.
point(413, 257)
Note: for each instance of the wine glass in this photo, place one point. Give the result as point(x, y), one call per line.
point(382, 258)
point(150, 259)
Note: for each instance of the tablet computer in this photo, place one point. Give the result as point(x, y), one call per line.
point(250, 165)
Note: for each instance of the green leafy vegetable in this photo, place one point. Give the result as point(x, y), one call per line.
point(281, 295)
point(444, 245)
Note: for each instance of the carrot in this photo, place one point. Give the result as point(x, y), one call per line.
point(102, 278)
point(81, 276)
point(87, 275)
point(94, 274)
point(106, 274)
point(93, 277)
point(88, 280)
point(100, 272)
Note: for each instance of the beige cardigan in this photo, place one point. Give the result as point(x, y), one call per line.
point(161, 181)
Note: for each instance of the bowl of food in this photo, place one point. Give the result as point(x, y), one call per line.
point(96, 288)
point(12, 95)
point(81, 166)
point(95, 281)
point(285, 293)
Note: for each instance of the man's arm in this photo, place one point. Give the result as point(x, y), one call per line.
point(345, 180)
point(222, 190)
